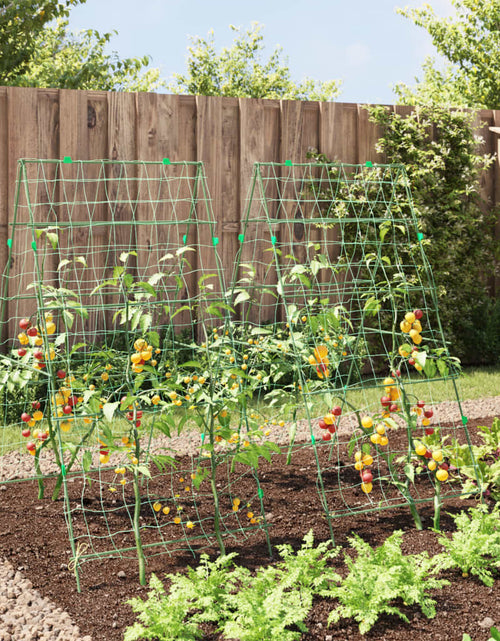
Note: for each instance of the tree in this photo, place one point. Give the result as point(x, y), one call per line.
point(20, 23)
point(470, 41)
point(78, 61)
point(239, 71)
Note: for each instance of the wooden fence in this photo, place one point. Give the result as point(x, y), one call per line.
point(227, 134)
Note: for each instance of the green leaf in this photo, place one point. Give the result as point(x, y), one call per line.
point(242, 296)
point(143, 469)
point(53, 239)
point(146, 287)
point(68, 318)
point(409, 471)
point(109, 409)
point(62, 264)
point(145, 322)
point(420, 357)
point(87, 460)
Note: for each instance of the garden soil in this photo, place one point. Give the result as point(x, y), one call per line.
point(39, 600)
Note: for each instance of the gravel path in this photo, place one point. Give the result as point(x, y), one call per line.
point(26, 616)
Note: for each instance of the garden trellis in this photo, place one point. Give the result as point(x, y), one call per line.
point(343, 246)
point(131, 331)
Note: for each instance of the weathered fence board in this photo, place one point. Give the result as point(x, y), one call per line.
point(227, 134)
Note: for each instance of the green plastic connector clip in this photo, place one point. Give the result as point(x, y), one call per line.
point(166, 161)
point(313, 440)
point(465, 420)
point(33, 245)
point(9, 242)
point(63, 469)
point(67, 160)
point(184, 238)
point(274, 240)
point(288, 163)
point(420, 236)
point(241, 237)
point(369, 163)
point(215, 241)
point(202, 437)
point(260, 493)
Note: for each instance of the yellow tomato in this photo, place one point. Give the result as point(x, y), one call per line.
point(410, 317)
point(405, 326)
point(441, 475)
point(367, 459)
point(155, 400)
point(432, 465)
point(375, 438)
point(135, 358)
point(420, 449)
point(367, 487)
point(367, 422)
point(380, 429)
point(358, 466)
point(415, 336)
point(358, 456)
point(383, 440)
point(437, 455)
point(50, 327)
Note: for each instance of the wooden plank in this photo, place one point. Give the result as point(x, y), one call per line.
point(259, 142)
point(76, 193)
point(228, 216)
point(209, 151)
point(121, 191)
point(96, 174)
point(368, 135)
point(4, 205)
point(163, 202)
point(23, 143)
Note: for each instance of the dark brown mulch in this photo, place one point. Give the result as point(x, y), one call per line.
point(33, 537)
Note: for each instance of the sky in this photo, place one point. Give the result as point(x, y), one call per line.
point(363, 42)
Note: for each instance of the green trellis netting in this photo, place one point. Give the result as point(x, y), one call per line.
point(114, 269)
point(121, 332)
point(332, 267)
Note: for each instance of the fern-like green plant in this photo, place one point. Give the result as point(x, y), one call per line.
point(161, 616)
point(377, 577)
point(245, 606)
point(475, 547)
point(279, 597)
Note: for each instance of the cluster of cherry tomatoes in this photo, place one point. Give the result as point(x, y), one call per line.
point(362, 463)
point(411, 325)
point(143, 355)
point(327, 423)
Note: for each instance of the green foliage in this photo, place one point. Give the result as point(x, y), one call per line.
point(469, 41)
point(245, 606)
point(20, 25)
point(475, 547)
point(79, 61)
point(279, 597)
point(161, 616)
point(380, 576)
point(480, 464)
point(239, 71)
point(458, 231)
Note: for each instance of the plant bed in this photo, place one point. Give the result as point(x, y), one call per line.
point(33, 538)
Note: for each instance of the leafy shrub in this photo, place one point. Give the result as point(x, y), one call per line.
point(460, 243)
point(475, 546)
point(380, 576)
